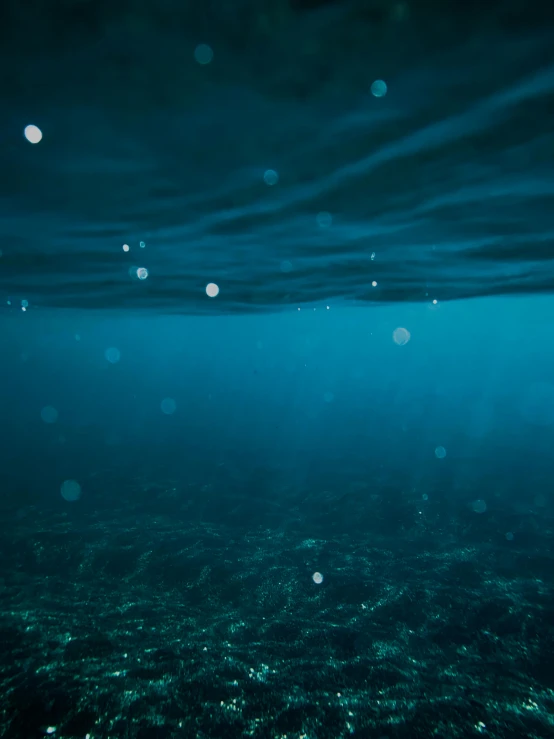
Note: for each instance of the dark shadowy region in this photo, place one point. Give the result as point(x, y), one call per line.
point(290, 151)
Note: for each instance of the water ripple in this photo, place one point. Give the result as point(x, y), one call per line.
point(441, 189)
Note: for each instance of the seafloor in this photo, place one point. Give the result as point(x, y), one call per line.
point(167, 610)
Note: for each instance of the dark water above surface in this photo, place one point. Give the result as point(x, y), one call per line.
point(441, 188)
point(318, 505)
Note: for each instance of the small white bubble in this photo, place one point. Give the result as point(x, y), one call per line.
point(435, 301)
point(33, 134)
point(142, 273)
point(374, 283)
point(168, 406)
point(440, 452)
point(212, 290)
point(142, 244)
point(125, 247)
point(324, 219)
point(271, 177)
point(203, 54)
point(379, 89)
point(70, 490)
point(113, 355)
point(49, 414)
point(317, 577)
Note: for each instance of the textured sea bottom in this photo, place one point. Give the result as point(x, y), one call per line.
point(173, 617)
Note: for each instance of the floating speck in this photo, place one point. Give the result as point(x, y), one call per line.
point(271, 177)
point(324, 219)
point(70, 490)
point(286, 266)
point(212, 290)
point(113, 355)
point(49, 414)
point(142, 244)
point(379, 89)
point(168, 406)
point(479, 506)
point(203, 54)
point(401, 336)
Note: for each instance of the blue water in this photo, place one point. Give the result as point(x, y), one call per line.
point(277, 379)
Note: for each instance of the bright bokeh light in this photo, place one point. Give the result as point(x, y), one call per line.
point(33, 134)
point(212, 290)
point(70, 490)
point(401, 336)
point(374, 283)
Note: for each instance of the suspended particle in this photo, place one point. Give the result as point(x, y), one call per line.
point(271, 177)
point(379, 89)
point(401, 336)
point(203, 54)
point(33, 134)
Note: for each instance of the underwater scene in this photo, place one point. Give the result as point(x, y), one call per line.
point(277, 369)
